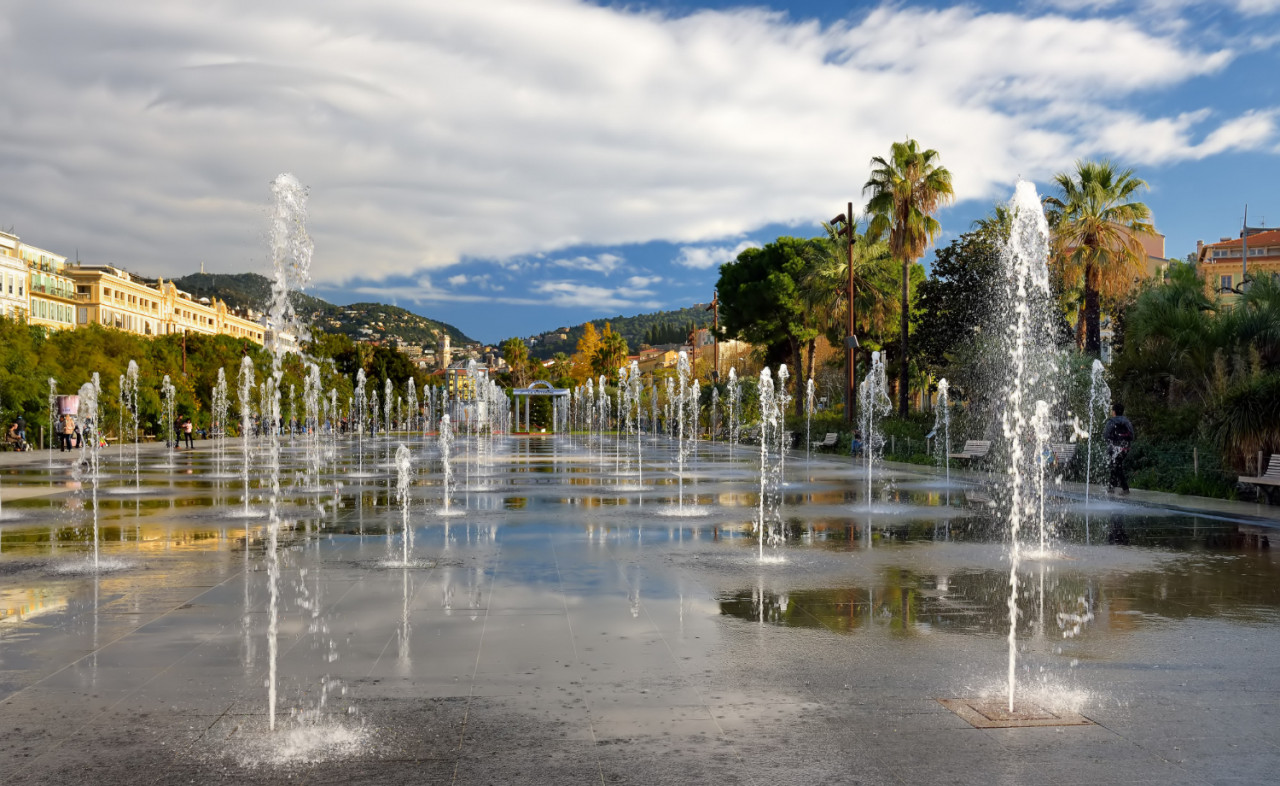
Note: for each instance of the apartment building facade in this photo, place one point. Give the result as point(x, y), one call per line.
point(50, 292)
point(112, 297)
point(13, 278)
point(1224, 264)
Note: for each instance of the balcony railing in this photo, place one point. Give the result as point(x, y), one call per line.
point(44, 289)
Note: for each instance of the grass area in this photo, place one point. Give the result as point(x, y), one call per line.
point(1181, 465)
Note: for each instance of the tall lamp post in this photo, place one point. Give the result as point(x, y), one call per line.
point(714, 308)
point(844, 225)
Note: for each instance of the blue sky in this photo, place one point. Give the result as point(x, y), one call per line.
point(516, 165)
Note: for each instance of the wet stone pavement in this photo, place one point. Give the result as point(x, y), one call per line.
point(574, 622)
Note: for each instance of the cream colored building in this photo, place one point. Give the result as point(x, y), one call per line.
point(13, 278)
point(109, 296)
point(50, 293)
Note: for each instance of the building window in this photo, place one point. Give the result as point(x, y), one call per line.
point(1226, 283)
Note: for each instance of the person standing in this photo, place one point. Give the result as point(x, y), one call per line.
point(66, 429)
point(1119, 435)
point(187, 427)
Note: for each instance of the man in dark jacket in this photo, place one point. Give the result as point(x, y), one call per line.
point(1119, 434)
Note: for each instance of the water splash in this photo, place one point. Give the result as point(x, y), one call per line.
point(1031, 358)
point(291, 250)
point(876, 404)
point(87, 468)
point(1099, 401)
point(247, 374)
point(445, 440)
point(404, 469)
point(942, 423)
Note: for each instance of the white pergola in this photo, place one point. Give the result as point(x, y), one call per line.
point(538, 388)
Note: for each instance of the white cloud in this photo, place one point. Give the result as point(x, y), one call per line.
point(702, 257)
point(1141, 140)
point(423, 291)
point(1245, 7)
point(436, 132)
point(570, 294)
point(600, 263)
point(458, 280)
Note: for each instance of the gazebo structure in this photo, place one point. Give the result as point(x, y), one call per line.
point(538, 388)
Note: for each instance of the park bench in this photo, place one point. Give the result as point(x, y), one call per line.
point(1062, 452)
point(974, 449)
point(1269, 482)
point(829, 441)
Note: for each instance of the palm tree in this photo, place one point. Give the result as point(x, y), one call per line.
point(906, 191)
point(825, 288)
point(1097, 235)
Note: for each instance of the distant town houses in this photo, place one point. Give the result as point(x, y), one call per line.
point(1256, 251)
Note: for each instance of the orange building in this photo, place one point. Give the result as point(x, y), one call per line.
point(1223, 264)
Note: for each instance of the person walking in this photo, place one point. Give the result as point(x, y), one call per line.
point(1119, 435)
point(187, 427)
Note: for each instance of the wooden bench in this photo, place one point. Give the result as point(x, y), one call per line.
point(974, 449)
point(829, 441)
point(1269, 482)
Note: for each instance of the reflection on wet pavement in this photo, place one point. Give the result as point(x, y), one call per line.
point(562, 628)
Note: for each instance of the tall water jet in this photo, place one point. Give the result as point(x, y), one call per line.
point(412, 404)
point(88, 465)
point(219, 424)
point(53, 416)
point(246, 423)
point(715, 412)
point(653, 411)
point(876, 404)
point(291, 251)
point(1040, 427)
point(129, 409)
point(404, 466)
point(311, 390)
point(1031, 359)
point(356, 418)
point(388, 396)
point(942, 429)
point(783, 398)
point(1099, 400)
point(666, 408)
point(634, 384)
point(269, 410)
point(735, 408)
point(169, 398)
point(682, 377)
point(768, 424)
point(808, 417)
point(445, 441)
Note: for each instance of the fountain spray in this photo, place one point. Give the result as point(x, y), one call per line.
point(404, 466)
point(246, 424)
point(88, 465)
point(1030, 351)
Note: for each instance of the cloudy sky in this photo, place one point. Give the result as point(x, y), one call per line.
point(514, 165)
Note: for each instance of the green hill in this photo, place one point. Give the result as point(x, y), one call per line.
point(658, 327)
point(358, 320)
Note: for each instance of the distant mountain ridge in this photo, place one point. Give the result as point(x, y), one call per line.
point(636, 330)
point(376, 321)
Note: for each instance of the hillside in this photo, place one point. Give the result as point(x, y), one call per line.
point(251, 290)
point(666, 326)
